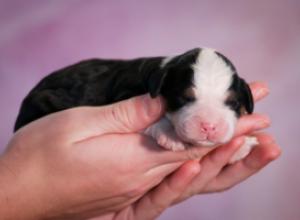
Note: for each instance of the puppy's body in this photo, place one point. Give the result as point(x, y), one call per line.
point(203, 93)
point(88, 83)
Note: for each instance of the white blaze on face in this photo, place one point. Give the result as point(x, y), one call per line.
point(207, 121)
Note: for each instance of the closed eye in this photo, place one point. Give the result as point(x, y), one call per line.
point(185, 99)
point(234, 104)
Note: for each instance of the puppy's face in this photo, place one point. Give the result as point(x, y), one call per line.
point(204, 96)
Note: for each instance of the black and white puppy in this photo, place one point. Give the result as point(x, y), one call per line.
point(203, 93)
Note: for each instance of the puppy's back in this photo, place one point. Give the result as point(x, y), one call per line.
point(92, 82)
point(76, 85)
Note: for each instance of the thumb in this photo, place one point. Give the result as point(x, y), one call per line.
point(126, 116)
point(131, 115)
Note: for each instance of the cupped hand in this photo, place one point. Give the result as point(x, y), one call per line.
point(211, 173)
point(85, 161)
point(216, 174)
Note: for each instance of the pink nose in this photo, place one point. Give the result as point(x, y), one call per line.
point(208, 128)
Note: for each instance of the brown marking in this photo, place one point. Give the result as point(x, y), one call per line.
point(189, 93)
point(243, 110)
point(231, 97)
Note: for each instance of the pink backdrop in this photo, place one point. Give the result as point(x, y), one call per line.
point(261, 37)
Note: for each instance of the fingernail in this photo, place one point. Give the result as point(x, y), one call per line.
point(239, 140)
point(196, 168)
point(264, 122)
point(269, 140)
point(262, 92)
point(152, 106)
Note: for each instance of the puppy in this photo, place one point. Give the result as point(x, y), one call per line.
point(204, 95)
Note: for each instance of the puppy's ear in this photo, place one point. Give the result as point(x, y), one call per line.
point(155, 82)
point(247, 98)
point(189, 56)
point(156, 79)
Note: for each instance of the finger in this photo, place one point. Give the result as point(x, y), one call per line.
point(211, 165)
point(245, 125)
point(259, 90)
point(250, 123)
point(127, 116)
point(213, 162)
point(191, 153)
point(261, 155)
point(156, 201)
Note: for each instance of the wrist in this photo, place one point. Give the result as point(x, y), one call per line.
point(18, 198)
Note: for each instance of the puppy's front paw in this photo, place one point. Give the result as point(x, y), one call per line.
point(165, 135)
point(170, 142)
point(244, 150)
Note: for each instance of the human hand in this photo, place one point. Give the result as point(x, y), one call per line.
point(211, 174)
point(215, 174)
point(84, 162)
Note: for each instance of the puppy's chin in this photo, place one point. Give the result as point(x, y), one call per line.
point(200, 143)
point(206, 143)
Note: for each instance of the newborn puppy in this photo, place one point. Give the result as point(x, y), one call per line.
point(203, 93)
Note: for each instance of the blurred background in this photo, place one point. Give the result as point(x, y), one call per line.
point(262, 38)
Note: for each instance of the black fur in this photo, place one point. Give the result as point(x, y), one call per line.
point(99, 82)
point(241, 94)
point(227, 61)
point(179, 77)
point(88, 83)
point(241, 97)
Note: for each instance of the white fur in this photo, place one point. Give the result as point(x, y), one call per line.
point(244, 150)
point(163, 132)
point(166, 60)
point(212, 78)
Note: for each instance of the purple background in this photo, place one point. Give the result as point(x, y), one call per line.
point(262, 38)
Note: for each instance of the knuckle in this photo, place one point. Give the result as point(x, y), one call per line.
point(225, 188)
point(271, 155)
point(193, 153)
point(135, 190)
point(158, 205)
point(121, 116)
point(215, 158)
point(159, 208)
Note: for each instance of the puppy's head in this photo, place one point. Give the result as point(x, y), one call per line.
point(204, 96)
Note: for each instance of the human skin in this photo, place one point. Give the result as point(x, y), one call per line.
point(92, 161)
point(211, 173)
